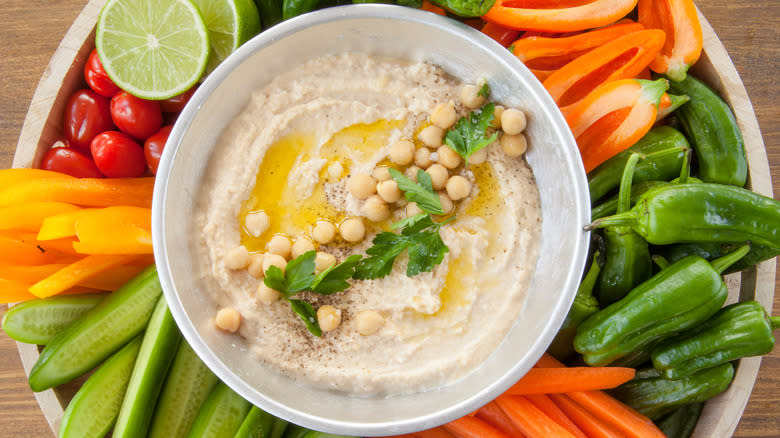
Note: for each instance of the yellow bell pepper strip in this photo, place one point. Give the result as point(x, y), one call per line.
point(680, 21)
point(12, 177)
point(62, 225)
point(613, 117)
point(91, 192)
point(558, 16)
point(18, 252)
point(115, 230)
point(29, 216)
point(76, 273)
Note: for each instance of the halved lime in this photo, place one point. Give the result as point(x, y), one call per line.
point(153, 49)
point(230, 24)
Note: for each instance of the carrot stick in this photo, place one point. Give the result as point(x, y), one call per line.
point(436, 432)
point(430, 7)
point(30, 215)
point(560, 380)
point(584, 419)
point(473, 427)
point(547, 361)
point(77, 272)
point(529, 419)
point(616, 414)
point(546, 405)
point(493, 414)
point(93, 192)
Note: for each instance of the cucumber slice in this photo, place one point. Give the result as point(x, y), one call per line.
point(187, 386)
point(37, 321)
point(161, 339)
point(221, 415)
point(295, 431)
point(278, 428)
point(94, 408)
point(98, 333)
point(257, 424)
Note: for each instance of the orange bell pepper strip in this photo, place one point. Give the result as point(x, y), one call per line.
point(18, 252)
point(502, 35)
point(680, 21)
point(63, 246)
point(31, 215)
point(560, 16)
point(91, 192)
point(622, 58)
point(613, 117)
point(115, 230)
point(113, 278)
point(430, 7)
point(28, 274)
point(14, 291)
point(62, 225)
point(11, 177)
point(76, 273)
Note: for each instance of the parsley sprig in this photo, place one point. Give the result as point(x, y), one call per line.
point(469, 134)
point(420, 192)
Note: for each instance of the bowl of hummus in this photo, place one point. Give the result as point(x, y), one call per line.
point(368, 220)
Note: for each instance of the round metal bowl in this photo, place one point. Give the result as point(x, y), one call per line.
point(402, 33)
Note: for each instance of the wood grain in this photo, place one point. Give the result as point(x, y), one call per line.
point(31, 30)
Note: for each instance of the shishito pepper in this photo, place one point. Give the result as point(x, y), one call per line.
point(609, 207)
point(738, 330)
point(713, 250)
point(678, 298)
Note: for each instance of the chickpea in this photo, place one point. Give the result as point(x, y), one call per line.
point(302, 245)
point(237, 258)
point(401, 152)
point(369, 322)
point(389, 191)
point(257, 223)
point(228, 319)
point(274, 260)
point(513, 121)
point(361, 186)
point(479, 156)
point(323, 261)
point(513, 145)
point(469, 96)
point(381, 173)
point(412, 209)
point(329, 318)
point(438, 175)
point(266, 295)
point(446, 203)
point(279, 244)
point(458, 187)
point(411, 172)
point(497, 111)
point(444, 115)
point(324, 232)
point(375, 209)
point(431, 136)
point(352, 229)
point(255, 268)
point(422, 158)
point(447, 157)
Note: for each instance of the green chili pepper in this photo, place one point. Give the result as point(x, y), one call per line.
point(711, 251)
point(293, 8)
point(678, 298)
point(738, 330)
point(466, 8)
point(680, 213)
point(653, 396)
point(584, 305)
point(681, 422)
point(609, 207)
point(714, 133)
point(659, 167)
point(270, 12)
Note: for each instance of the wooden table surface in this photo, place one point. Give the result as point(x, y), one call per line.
point(30, 30)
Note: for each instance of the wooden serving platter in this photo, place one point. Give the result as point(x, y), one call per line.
point(42, 127)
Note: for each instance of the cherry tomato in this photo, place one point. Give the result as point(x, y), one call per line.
point(153, 147)
point(71, 162)
point(176, 103)
point(134, 116)
point(87, 114)
point(97, 78)
point(117, 155)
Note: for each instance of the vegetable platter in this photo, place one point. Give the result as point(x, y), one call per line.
point(721, 415)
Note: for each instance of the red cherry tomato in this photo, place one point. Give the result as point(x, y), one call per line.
point(117, 155)
point(176, 103)
point(97, 78)
point(134, 116)
point(71, 162)
point(153, 147)
point(87, 114)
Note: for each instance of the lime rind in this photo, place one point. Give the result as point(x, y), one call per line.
point(230, 23)
point(153, 49)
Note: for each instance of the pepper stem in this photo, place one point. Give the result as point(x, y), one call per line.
point(775, 321)
point(685, 171)
point(628, 219)
point(661, 261)
point(729, 259)
point(624, 196)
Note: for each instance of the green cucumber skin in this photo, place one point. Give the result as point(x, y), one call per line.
point(257, 424)
point(221, 415)
point(38, 321)
point(186, 387)
point(161, 340)
point(98, 333)
point(279, 428)
point(295, 431)
point(94, 408)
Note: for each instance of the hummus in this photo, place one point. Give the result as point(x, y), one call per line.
point(290, 154)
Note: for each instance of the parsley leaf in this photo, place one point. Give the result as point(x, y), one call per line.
point(469, 133)
point(409, 221)
point(420, 192)
point(387, 246)
point(334, 279)
point(274, 278)
point(511, 48)
point(307, 313)
point(427, 251)
point(299, 272)
point(484, 91)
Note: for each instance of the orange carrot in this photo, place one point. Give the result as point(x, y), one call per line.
point(436, 432)
point(529, 419)
point(493, 414)
point(547, 361)
point(546, 405)
point(430, 7)
point(501, 34)
point(680, 21)
point(560, 380)
point(589, 424)
point(77, 272)
point(560, 16)
point(93, 192)
point(616, 414)
point(29, 216)
point(473, 427)
point(11, 177)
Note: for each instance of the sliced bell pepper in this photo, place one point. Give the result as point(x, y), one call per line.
point(502, 35)
point(622, 58)
point(18, 252)
point(61, 225)
point(680, 21)
point(558, 16)
point(11, 177)
point(92, 192)
point(28, 274)
point(613, 117)
point(113, 278)
point(14, 291)
point(63, 246)
point(115, 230)
point(76, 273)
point(30, 215)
